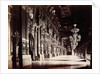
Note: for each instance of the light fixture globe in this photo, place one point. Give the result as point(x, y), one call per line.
point(75, 25)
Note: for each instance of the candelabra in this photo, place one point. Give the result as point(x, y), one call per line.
point(16, 40)
point(75, 38)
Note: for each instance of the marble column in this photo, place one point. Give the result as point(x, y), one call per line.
point(9, 41)
point(42, 48)
point(35, 37)
point(10, 30)
point(9, 15)
point(54, 51)
point(39, 42)
point(49, 48)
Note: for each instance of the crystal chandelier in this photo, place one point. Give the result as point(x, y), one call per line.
point(75, 38)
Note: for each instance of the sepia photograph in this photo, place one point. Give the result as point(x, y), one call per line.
point(49, 37)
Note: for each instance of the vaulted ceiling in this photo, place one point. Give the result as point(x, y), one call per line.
point(67, 15)
point(75, 14)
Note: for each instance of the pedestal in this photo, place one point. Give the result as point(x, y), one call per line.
point(27, 61)
point(41, 57)
point(72, 52)
point(10, 62)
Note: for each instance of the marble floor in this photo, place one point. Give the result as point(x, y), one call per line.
point(59, 62)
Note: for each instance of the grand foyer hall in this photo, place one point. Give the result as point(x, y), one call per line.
point(49, 37)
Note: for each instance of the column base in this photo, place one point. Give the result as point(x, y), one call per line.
point(27, 60)
point(10, 62)
point(53, 55)
point(41, 57)
point(37, 57)
point(50, 55)
point(72, 52)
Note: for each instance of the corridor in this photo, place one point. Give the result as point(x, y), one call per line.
point(59, 62)
point(49, 36)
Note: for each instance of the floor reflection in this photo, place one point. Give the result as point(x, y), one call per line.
point(60, 62)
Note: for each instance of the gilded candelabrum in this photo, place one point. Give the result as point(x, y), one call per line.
point(75, 38)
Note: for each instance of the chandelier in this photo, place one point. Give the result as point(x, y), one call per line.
point(75, 38)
